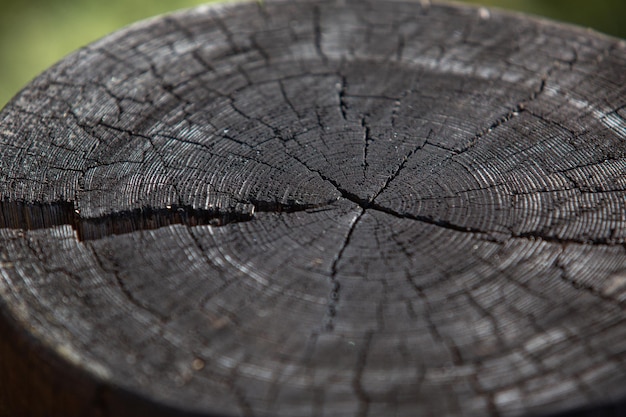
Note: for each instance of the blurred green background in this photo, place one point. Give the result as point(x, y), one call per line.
point(36, 33)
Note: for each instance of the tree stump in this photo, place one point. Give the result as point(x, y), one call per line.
point(318, 208)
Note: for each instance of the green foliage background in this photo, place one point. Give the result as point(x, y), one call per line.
point(36, 33)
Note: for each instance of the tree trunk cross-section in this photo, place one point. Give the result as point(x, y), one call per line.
point(318, 208)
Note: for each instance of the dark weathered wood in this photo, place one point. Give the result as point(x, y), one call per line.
point(318, 208)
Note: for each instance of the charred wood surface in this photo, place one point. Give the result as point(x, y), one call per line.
point(318, 208)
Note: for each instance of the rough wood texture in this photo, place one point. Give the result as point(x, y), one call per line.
point(318, 208)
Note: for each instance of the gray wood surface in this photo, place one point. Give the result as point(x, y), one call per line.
point(318, 208)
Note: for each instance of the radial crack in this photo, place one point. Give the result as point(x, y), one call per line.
point(511, 114)
point(366, 139)
point(370, 204)
point(343, 106)
point(32, 216)
point(581, 286)
point(334, 295)
point(399, 169)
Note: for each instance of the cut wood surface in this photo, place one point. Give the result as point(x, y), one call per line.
point(318, 208)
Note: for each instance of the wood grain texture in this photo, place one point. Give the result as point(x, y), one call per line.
point(318, 208)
